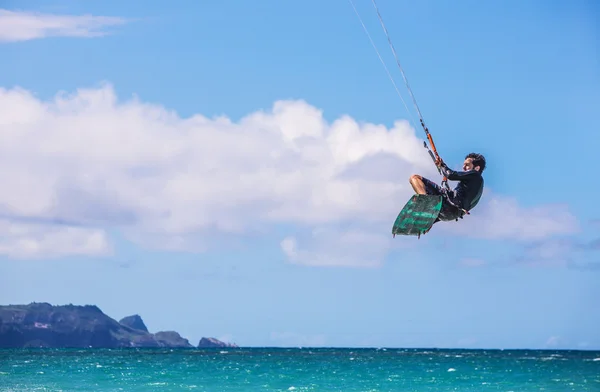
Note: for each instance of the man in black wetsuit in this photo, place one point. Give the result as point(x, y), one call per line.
point(466, 195)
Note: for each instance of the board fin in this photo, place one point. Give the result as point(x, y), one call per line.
point(418, 215)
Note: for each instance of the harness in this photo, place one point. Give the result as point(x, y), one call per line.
point(449, 200)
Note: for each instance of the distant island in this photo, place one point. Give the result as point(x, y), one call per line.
point(86, 326)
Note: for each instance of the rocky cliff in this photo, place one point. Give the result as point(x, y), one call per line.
point(44, 325)
point(134, 322)
point(212, 342)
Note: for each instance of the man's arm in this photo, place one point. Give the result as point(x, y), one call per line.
point(453, 175)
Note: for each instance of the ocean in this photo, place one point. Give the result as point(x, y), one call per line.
point(298, 369)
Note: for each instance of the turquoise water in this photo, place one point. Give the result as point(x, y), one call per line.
point(261, 369)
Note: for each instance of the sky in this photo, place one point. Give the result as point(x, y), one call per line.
point(233, 169)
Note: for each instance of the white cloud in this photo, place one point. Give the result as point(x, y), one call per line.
point(175, 183)
point(330, 247)
point(501, 217)
point(555, 252)
point(23, 26)
point(32, 240)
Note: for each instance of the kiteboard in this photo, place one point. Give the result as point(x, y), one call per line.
point(418, 215)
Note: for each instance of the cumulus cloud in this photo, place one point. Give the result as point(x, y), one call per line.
point(501, 217)
point(186, 183)
point(557, 251)
point(330, 247)
point(36, 241)
point(23, 26)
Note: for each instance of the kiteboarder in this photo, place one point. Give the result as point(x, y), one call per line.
point(433, 203)
point(459, 201)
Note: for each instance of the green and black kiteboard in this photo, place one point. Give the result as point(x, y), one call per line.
point(418, 215)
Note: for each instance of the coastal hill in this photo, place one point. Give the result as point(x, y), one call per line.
point(134, 322)
point(74, 326)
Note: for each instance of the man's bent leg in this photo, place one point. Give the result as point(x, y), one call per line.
point(416, 181)
point(423, 186)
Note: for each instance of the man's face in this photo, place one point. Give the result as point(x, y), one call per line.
point(468, 164)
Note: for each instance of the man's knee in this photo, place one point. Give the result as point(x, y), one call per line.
point(417, 184)
point(415, 178)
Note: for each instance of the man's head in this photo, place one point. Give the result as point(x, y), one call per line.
point(474, 161)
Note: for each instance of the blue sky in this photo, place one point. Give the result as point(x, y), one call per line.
point(242, 230)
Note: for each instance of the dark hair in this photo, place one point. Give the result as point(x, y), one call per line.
point(478, 160)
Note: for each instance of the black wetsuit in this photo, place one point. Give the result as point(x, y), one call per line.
point(465, 195)
point(469, 188)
